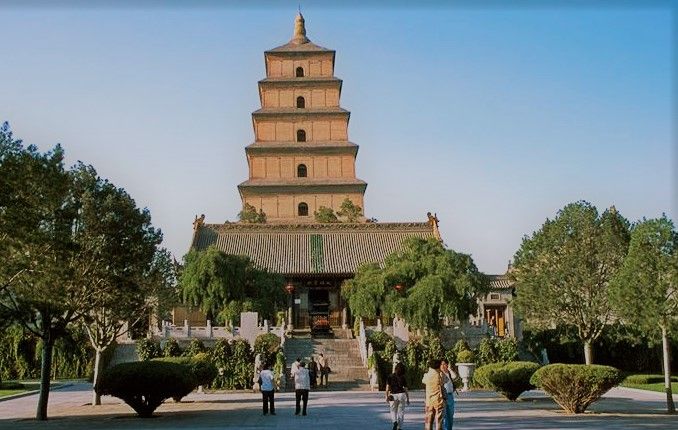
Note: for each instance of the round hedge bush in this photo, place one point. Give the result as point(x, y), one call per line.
point(144, 385)
point(513, 378)
point(482, 373)
point(575, 386)
point(200, 366)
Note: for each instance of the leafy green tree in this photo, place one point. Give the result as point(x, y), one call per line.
point(223, 284)
point(366, 292)
point(249, 215)
point(645, 291)
point(435, 283)
point(119, 242)
point(39, 283)
point(350, 211)
point(325, 215)
point(563, 271)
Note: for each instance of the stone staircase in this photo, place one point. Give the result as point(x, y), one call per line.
point(348, 372)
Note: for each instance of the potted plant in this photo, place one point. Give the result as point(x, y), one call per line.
point(466, 365)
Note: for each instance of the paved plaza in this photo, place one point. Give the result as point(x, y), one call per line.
point(620, 409)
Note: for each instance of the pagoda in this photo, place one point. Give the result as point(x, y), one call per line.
point(301, 158)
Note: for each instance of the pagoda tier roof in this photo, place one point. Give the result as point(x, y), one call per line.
point(299, 48)
point(311, 249)
point(301, 81)
point(334, 146)
point(303, 185)
point(335, 110)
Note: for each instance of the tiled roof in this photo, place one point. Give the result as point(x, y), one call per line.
point(299, 47)
point(301, 111)
point(500, 282)
point(306, 249)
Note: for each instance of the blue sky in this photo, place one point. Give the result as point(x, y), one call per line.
point(493, 118)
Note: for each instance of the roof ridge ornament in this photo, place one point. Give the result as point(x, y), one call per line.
point(299, 30)
point(433, 222)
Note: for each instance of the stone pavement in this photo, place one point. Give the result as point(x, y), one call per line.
point(620, 409)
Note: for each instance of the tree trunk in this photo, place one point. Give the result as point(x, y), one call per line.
point(588, 351)
point(670, 407)
point(96, 398)
point(45, 373)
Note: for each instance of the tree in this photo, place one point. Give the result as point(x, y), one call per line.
point(434, 283)
point(119, 242)
point(325, 215)
point(645, 291)
point(39, 280)
point(223, 284)
point(249, 215)
point(350, 211)
point(366, 292)
point(563, 271)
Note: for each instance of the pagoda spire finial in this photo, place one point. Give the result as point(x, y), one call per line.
point(299, 29)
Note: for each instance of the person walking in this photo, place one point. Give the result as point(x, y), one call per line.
point(295, 366)
point(302, 385)
point(435, 397)
point(266, 379)
point(449, 376)
point(397, 395)
point(323, 363)
point(313, 372)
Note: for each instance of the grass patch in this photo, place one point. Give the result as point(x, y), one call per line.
point(658, 387)
point(5, 393)
point(9, 388)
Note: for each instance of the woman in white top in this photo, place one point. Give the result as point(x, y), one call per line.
point(448, 383)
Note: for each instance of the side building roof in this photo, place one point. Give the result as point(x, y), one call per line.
point(311, 249)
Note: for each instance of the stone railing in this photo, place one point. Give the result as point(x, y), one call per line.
point(248, 330)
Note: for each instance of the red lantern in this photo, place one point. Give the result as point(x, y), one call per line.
point(398, 287)
point(289, 288)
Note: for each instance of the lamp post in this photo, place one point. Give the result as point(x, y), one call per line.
point(289, 288)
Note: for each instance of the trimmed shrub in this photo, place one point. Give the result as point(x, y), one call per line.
point(200, 367)
point(466, 356)
point(647, 379)
point(481, 375)
point(575, 386)
point(144, 385)
point(147, 349)
point(512, 379)
point(171, 348)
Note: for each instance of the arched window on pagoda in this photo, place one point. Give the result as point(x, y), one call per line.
point(302, 209)
point(301, 136)
point(301, 103)
point(301, 171)
point(300, 72)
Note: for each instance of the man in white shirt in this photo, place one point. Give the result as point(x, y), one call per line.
point(302, 384)
point(295, 366)
point(266, 379)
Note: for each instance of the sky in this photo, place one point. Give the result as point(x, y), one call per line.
point(494, 118)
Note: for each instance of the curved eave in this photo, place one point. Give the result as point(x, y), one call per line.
point(254, 187)
point(282, 112)
point(302, 148)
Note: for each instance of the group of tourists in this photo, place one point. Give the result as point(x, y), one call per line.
point(440, 391)
point(304, 380)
